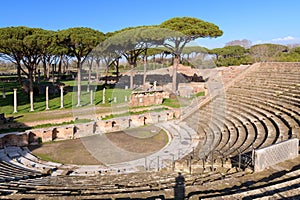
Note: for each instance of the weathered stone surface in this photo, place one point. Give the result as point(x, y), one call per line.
point(65, 132)
point(71, 131)
point(13, 139)
point(147, 98)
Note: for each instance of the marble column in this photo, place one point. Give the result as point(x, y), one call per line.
point(31, 101)
point(3, 93)
point(61, 96)
point(47, 97)
point(103, 96)
point(15, 100)
point(91, 96)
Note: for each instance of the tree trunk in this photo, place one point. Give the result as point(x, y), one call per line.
point(19, 73)
point(63, 65)
point(78, 82)
point(34, 75)
point(67, 67)
point(97, 70)
point(30, 78)
point(48, 70)
point(106, 74)
point(131, 75)
point(174, 76)
point(145, 71)
point(45, 70)
point(59, 66)
point(117, 68)
point(89, 78)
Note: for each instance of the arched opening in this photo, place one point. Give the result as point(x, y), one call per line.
point(54, 133)
point(31, 137)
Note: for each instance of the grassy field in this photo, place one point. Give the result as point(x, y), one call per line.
point(66, 114)
point(65, 152)
point(70, 98)
point(70, 102)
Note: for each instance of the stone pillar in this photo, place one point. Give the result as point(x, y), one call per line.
point(15, 100)
point(31, 101)
point(91, 97)
point(61, 96)
point(154, 87)
point(53, 73)
point(103, 96)
point(47, 97)
point(3, 93)
point(126, 98)
point(115, 99)
point(126, 87)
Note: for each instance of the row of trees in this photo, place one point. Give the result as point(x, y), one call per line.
point(242, 52)
point(28, 47)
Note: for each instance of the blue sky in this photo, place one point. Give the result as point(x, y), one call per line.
point(260, 21)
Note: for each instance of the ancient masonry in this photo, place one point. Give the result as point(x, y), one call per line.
point(85, 129)
point(147, 98)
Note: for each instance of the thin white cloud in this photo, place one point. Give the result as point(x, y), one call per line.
point(285, 39)
point(259, 42)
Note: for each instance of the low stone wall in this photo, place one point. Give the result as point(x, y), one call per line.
point(73, 131)
point(50, 134)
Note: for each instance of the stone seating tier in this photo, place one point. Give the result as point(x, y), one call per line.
point(262, 108)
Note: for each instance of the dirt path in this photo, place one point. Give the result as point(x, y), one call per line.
point(66, 152)
point(139, 140)
point(65, 115)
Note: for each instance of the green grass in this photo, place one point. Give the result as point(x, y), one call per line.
point(173, 103)
point(46, 157)
point(10, 130)
point(70, 98)
point(22, 129)
point(77, 121)
point(70, 101)
point(132, 113)
point(200, 94)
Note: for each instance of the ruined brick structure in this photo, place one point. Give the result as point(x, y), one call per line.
point(145, 98)
point(73, 131)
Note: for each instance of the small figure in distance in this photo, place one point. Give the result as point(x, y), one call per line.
point(179, 179)
point(179, 190)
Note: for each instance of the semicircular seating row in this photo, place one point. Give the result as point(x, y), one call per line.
point(154, 185)
point(261, 109)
